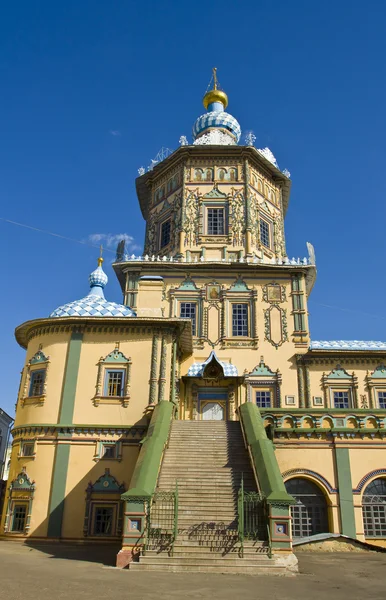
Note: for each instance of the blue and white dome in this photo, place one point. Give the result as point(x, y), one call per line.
point(217, 119)
point(95, 303)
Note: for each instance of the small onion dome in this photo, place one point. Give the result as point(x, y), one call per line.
point(215, 102)
point(95, 303)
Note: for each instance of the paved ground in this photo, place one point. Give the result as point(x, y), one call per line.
point(58, 573)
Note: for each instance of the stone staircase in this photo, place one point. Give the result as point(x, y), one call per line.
point(208, 459)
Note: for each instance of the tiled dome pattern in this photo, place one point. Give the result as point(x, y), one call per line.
point(94, 304)
point(219, 119)
point(347, 345)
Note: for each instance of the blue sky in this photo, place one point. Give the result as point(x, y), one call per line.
point(91, 90)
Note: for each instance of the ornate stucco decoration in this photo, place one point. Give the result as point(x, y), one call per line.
point(262, 375)
point(337, 379)
point(116, 359)
point(237, 217)
point(39, 362)
point(190, 223)
point(275, 323)
point(274, 292)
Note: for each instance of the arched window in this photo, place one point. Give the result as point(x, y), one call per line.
point(374, 508)
point(309, 514)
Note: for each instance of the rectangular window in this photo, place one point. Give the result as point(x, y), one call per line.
point(109, 451)
point(216, 221)
point(341, 399)
point(114, 383)
point(240, 319)
point(318, 401)
point(103, 520)
point(297, 302)
point(188, 311)
point(299, 322)
point(28, 449)
point(265, 237)
point(19, 517)
point(263, 399)
point(382, 399)
point(37, 383)
point(165, 234)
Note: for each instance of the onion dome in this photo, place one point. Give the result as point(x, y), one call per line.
point(216, 119)
point(95, 303)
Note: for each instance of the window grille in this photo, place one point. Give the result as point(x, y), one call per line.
point(115, 380)
point(188, 311)
point(309, 514)
point(263, 399)
point(19, 517)
point(374, 509)
point(382, 399)
point(165, 233)
point(37, 383)
point(239, 319)
point(265, 237)
point(103, 520)
point(341, 400)
point(216, 221)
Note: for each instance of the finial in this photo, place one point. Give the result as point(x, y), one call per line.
point(100, 259)
point(215, 100)
point(214, 70)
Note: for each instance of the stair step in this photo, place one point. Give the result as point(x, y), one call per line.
point(241, 568)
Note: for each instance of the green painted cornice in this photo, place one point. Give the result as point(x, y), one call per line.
point(134, 430)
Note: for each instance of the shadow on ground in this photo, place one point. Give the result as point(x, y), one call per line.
point(103, 554)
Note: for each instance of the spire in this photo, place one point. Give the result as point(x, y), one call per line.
point(215, 100)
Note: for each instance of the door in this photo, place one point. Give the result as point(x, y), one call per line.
point(213, 411)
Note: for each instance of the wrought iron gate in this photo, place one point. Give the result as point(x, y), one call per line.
point(252, 516)
point(162, 520)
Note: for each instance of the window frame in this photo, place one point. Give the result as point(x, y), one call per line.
point(111, 446)
point(268, 223)
point(379, 391)
point(107, 372)
point(22, 450)
point(341, 390)
point(14, 507)
point(224, 220)
point(233, 304)
point(33, 374)
point(95, 505)
point(161, 225)
point(264, 391)
point(193, 320)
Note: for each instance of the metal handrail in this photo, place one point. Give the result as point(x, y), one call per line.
point(241, 516)
point(175, 532)
point(269, 542)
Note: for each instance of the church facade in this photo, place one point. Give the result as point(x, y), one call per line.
point(214, 317)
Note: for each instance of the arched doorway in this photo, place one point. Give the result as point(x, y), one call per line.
point(374, 508)
point(309, 514)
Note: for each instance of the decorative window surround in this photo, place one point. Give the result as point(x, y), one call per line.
point(114, 360)
point(188, 292)
point(100, 447)
point(21, 492)
point(338, 380)
point(261, 377)
point(105, 492)
point(375, 383)
point(39, 362)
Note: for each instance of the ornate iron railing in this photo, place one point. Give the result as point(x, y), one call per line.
point(162, 521)
point(252, 516)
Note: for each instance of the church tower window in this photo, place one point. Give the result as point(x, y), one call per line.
point(216, 221)
point(165, 233)
point(265, 233)
point(240, 320)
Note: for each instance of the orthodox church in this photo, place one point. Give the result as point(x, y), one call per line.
point(197, 425)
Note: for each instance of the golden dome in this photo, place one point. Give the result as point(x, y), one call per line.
point(215, 96)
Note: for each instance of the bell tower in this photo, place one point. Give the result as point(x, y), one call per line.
point(214, 198)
